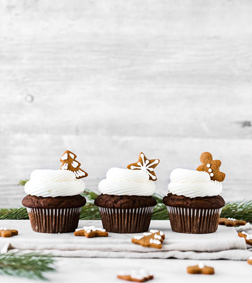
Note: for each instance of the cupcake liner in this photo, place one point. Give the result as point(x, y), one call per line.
point(194, 220)
point(128, 220)
point(54, 220)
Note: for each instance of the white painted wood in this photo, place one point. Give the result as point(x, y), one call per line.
point(108, 80)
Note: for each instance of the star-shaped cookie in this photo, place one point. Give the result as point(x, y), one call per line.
point(145, 164)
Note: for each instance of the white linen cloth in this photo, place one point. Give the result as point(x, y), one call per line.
point(223, 244)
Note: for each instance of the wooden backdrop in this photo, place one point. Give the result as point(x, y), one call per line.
point(108, 79)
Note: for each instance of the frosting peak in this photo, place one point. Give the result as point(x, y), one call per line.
point(127, 182)
point(191, 183)
point(53, 183)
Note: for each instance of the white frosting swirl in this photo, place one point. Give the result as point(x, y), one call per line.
point(127, 182)
point(192, 183)
point(53, 183)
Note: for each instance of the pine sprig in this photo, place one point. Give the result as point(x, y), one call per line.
point(30, 266)
point(23, 182)
point(241, 210)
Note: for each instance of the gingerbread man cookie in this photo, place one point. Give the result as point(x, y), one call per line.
point(152, 239)
point(91, 232)
point(69, 162)
point(200, 269)
point(136, 276)
point(248, 237)
point(249, 261)
point(231, 222)
point(4, 232)
point(211, 167)
point(145, 164)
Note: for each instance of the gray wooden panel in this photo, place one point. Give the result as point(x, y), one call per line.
point(108, 80)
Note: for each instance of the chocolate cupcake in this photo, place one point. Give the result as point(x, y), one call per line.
point(53, 198)
point(193, 200)
point(126, 202)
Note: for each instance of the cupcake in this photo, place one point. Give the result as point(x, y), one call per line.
point(53, 198)
point(193, 201)
point(126, 202)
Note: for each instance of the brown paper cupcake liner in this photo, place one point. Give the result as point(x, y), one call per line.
point(194, 220)
point(128, 220)
point(54, 220)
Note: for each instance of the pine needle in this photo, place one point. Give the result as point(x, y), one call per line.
point(30, 266)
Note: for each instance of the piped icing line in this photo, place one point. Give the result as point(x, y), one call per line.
point(154, 241)
point(70, 163)
point(88, 229)
point(201, 265)
point(146, 165)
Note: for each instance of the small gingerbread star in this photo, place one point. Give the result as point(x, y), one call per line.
point(212, 167)
point(145, 164)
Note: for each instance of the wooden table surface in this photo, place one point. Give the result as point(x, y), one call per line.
point(106, 79)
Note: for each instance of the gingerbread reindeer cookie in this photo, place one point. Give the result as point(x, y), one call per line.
point(200, 269)
point(212, 167)
point(152, 239)
point(4, 232)
point(145, 164)
point(231, 222)
point(91, 232)
point(70, 163)
point(135, 276)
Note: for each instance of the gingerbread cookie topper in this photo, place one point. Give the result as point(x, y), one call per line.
point(4, 232)
point(91, 232)
point(135, 276)
point(69, 162)
point(152, 239)
point(145, 164)
point(231, 222)
point(200, 269)
point(212, 167)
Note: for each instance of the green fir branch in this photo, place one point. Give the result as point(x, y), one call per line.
point(32, 266)
point(240, 209)
point(23, 182)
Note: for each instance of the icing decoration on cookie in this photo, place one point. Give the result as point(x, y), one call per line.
point(152, 239)
point(91, 232)
point(145, 164)
point(230, 222)
point(4, 232)
point(136, 276)
point(249, 261)
point(246, 236)
point(211, 167)
point(200, 269)
point(70, 163)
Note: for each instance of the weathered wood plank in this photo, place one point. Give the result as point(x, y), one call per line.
point(108, 80)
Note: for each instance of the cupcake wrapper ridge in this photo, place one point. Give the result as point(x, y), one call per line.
point(54, 220)
point(194, 220)
point(128, 220)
